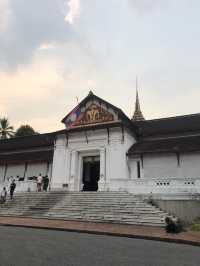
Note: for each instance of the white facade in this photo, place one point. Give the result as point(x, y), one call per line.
point(97, 129)
point(163, 174)
point(159, 173)
point(112, 149)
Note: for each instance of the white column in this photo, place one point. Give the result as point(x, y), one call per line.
point(68, 163)
point(74, 172)
point(59, 167)
point(2, 171)
point(102, 181)
point(102, 163)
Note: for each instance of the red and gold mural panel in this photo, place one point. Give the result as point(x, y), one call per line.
point(94, 114)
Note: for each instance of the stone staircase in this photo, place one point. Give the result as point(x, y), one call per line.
point(111, 207)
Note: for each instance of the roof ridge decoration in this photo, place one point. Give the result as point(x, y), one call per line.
point(90, 93)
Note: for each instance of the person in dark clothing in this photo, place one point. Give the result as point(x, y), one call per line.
point(3, 195)
point(45, 183)
point(12, 189)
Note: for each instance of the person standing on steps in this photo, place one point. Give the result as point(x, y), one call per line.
point(45, 183)
point(12, 189)
point(3, 195)
point(39, 183)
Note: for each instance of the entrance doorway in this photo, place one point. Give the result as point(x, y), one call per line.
point(91, 173)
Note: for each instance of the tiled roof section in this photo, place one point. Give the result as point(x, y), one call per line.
point(179, 144)
point(35, 156)
point(171, 125)
point(28, 142)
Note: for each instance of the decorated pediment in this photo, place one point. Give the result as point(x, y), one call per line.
point(93, 110)
point(93, 114)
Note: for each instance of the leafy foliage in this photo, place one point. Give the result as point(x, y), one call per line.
point(6, 130)
point(196, 227)
point(25, 130)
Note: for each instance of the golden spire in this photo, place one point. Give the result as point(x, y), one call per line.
point(137, 116)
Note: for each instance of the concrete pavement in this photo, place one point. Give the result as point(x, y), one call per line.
point(38, 247)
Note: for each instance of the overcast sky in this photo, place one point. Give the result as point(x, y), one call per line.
point(52, 51)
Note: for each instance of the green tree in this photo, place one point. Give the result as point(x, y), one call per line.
point(6, 130)
point(25, 130)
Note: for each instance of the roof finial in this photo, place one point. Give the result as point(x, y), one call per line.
point(90, 93)
point(136, 83)
point(137, 116)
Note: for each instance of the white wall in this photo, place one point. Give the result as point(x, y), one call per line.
point(162, 165)
point(117, 165)
point(14, 170)
point(34, 169)
point(2, 172)
point(133, 167)
point(161, 174)
point(66, 163)
point(190, 164)
point(166, 165)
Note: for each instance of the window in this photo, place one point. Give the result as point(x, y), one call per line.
point(138, 169)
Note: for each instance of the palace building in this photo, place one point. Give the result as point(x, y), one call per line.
point(101, 149)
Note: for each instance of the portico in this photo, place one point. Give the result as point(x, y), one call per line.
point(72, 155)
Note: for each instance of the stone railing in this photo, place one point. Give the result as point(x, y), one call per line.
point(161, 185)
point(167, 185)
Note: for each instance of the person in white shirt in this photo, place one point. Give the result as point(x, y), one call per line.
point(39, 182)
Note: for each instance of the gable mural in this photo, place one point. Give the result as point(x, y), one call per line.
point(94, 114)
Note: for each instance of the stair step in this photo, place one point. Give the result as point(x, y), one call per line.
point(112, 207)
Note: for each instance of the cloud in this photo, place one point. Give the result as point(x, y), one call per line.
point(33, 24)
point(46, 46)
point(5, 14)
point(74, 10)
point(43, 92)
point(30, 82)
point(29, 92)
point(144, 6)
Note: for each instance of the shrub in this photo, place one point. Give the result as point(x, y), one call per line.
point(196, 227)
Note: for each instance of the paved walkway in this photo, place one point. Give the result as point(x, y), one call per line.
point(144, 232)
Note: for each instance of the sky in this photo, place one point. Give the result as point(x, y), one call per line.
point(52, 51)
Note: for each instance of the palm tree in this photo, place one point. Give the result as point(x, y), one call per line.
point(6, 131)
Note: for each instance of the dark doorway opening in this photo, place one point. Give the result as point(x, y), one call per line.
point(91, 173)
